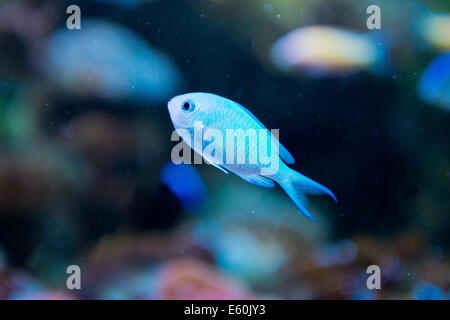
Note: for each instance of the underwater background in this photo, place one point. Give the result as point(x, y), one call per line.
point(86, 176)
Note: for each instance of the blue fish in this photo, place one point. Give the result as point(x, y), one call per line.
point(109, 61)
point(434, 84)
point(211, 112)
point(186, 183)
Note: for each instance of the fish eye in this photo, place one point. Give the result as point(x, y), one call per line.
point(188, 106)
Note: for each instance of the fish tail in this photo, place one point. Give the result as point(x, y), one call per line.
point(297, 186)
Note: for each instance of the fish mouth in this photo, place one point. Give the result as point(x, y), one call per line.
point(169, 103)
point(171, 109)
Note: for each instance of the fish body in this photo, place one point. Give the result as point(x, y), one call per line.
point(109, 61)
point(435, 30)
point(208, 112)
point(322, 50)
point(434, 84)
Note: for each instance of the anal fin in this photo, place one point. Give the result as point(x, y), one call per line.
point(218, 166)
point(258, 180)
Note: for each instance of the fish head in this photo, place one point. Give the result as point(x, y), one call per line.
point(187, 108)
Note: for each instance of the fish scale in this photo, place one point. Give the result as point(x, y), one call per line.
point(237, 119)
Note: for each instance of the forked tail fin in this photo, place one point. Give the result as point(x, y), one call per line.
point(297, 186)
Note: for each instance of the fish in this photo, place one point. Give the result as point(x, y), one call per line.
point(110, 61)
point(434, 28)
point(214, 112)
point(186, 183)
point(320, 50)
point(434, 83)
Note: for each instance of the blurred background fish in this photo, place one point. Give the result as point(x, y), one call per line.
point(107, 60)
point(322, 50)
point(435, 30)
point(434, 84)
point(186, 183)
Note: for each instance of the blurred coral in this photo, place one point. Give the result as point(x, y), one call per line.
point(193, 280)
